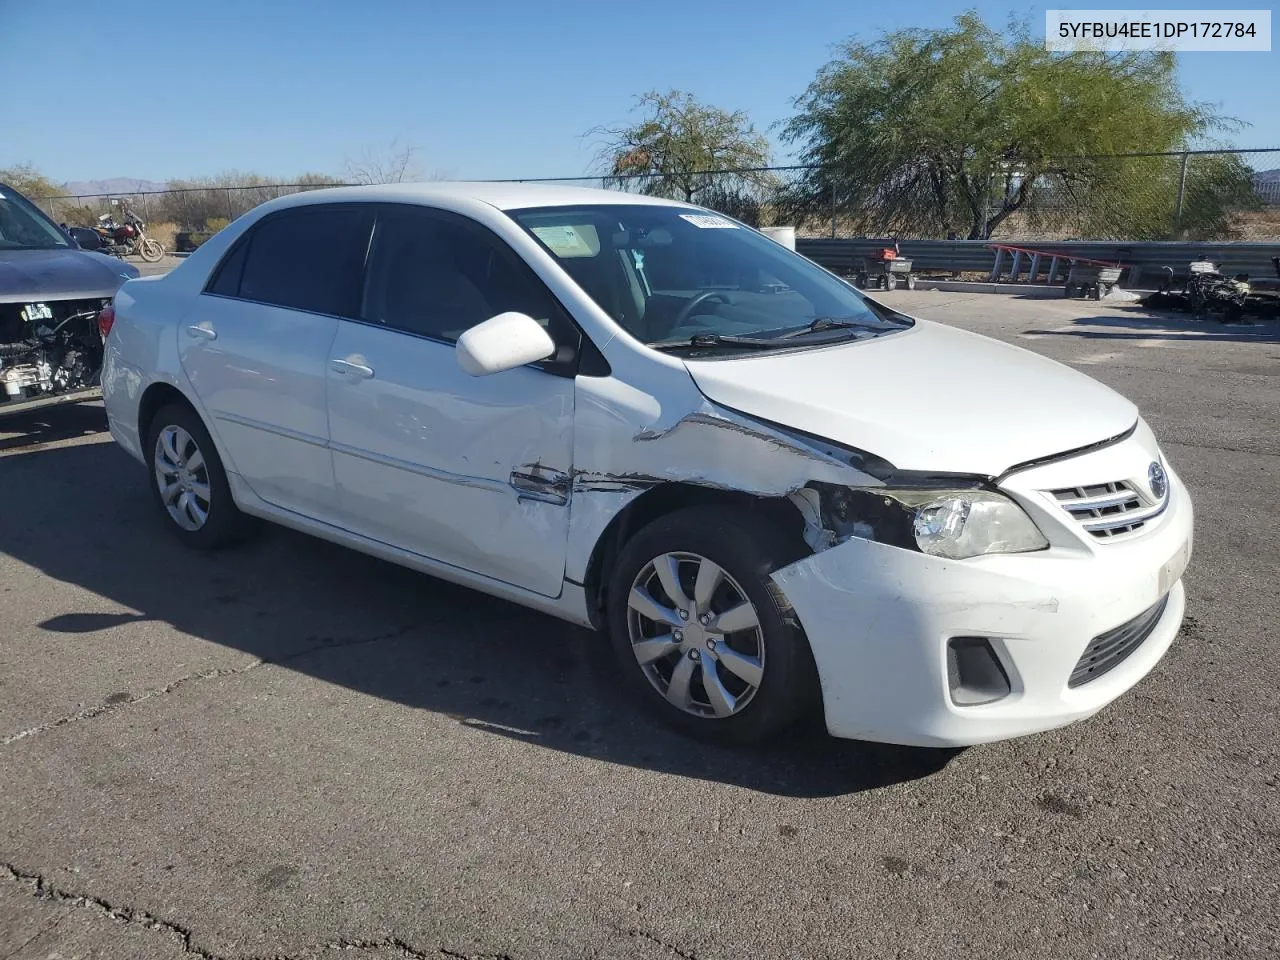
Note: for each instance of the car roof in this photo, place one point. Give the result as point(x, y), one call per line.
point(504, 196)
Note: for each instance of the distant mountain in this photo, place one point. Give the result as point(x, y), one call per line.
point(1267, 176)
point(113, 185)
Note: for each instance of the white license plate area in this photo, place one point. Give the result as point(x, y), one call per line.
point(1173, 569)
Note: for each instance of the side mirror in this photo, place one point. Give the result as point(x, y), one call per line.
point(504, 342)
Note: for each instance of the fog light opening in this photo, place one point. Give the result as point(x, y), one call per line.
point(974, 672)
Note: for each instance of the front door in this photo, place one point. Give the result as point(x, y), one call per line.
point(256, 349)
point(471, 471)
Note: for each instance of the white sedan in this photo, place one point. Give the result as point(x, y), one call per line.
point(772, 493)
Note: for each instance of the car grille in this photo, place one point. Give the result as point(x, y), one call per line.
point(1109, 510)
point(1108, 650)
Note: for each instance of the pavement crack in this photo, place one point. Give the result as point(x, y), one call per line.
point(128, 916)
point(654, 938)
point(182, 936)
point(324, 646)
point(112, 703)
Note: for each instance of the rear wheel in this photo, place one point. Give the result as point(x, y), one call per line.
point(703, 635)
point(189, 482)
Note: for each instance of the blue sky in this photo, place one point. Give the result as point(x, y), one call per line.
point(482, 89)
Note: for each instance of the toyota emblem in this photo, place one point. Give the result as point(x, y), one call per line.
point(1157, 480)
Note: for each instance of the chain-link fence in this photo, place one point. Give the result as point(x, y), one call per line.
point(1195, 195)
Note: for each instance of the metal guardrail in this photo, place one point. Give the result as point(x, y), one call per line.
point(1145, 261)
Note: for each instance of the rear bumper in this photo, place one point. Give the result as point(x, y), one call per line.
point(879, 619)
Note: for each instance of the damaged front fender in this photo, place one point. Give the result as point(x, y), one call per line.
point(626, 444)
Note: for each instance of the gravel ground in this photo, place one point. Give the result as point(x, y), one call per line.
point(292, 750)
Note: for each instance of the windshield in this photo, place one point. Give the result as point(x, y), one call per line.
point(23, 227)
point(680, 278)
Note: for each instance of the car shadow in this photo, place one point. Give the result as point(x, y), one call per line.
point(348, 619)
point(1146, 326)
point(51, 423)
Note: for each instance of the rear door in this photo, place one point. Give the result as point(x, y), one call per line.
point(471, 471)
point(256, 348)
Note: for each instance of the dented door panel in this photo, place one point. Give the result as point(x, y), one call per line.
point(471, 471)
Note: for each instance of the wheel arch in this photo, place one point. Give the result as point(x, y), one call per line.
point(663, 499)
point(156, 396)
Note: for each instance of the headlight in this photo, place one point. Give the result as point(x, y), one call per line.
point(951, 523)
point(969, 523)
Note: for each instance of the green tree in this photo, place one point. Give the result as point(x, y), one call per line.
point(923, 131)
point(30, 182)
point(679, 145)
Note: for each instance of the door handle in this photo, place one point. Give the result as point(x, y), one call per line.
point(202, 331)
point(363, 371)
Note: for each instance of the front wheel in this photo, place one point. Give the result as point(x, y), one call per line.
point(703, 635)
point(151, 250)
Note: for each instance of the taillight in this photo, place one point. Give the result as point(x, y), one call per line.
point(105, 319)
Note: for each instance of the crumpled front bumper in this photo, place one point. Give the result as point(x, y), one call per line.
point(879, 618)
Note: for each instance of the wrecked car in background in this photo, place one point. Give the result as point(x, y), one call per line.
point(51, 295)
point(772, 493)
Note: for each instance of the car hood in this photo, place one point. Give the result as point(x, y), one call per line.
point(35, 275)
point(930, 398)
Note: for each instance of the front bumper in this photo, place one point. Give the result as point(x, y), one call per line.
point(879, 619)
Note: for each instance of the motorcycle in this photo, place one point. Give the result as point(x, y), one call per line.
point(128, 238)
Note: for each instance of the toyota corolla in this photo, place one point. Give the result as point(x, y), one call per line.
point(771, 493)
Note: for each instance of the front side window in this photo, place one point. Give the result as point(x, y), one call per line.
point(436, 276)
point(679, 278)
point(306, 258)
point(22, 227)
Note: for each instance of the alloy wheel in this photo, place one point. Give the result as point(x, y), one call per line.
point(696, 635)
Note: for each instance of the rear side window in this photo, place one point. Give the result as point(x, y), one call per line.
point(309, 258)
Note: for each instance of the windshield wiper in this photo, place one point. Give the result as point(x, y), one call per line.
point(831, 323)
point(718, 340)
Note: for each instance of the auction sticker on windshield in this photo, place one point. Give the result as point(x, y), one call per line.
point(708, 222)
point(569, 241)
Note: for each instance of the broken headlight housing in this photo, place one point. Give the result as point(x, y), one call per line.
point(955, 523)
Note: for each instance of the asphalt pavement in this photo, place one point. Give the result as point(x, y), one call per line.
point(291, 750)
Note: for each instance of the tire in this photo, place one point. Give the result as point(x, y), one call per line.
point(860, 281)
point(764, 669)
point(911, 281)
point(890, 281)
point(209, 519)
point(151, 250)
point(1097, 291)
